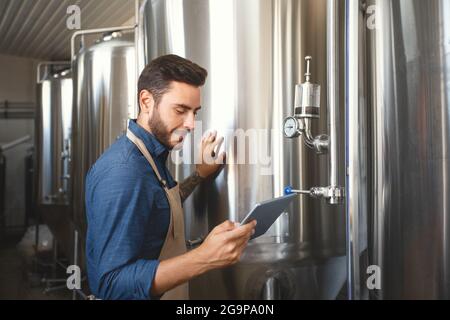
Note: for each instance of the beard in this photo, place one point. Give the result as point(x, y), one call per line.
point(159, 129)
point(163, 134)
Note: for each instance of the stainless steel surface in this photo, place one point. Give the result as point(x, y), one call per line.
point(53, 125)
point(272, 289)
point(254, 51)
point(105, 90)
point(408, 89)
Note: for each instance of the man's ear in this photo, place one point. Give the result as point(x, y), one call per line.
point(146, 102)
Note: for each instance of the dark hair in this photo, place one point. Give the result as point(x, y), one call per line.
point(158, 74)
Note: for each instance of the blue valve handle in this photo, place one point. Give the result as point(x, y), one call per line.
point(288, 190)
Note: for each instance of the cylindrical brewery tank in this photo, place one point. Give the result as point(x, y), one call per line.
point(105, 90)
point(408, 89)
point(53, 126)
point(254, 52)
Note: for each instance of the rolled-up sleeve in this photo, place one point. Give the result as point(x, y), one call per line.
point(118, 205)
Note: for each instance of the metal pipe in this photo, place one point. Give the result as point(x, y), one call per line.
point(14, 143)
point(319, 144)
point(75, 258)
point(353, 161)
point(333, 95)
point(307, 134)
point(136, 54)
point(16, 110)
point(29, 193)
point(307, 192)
point(26, 106)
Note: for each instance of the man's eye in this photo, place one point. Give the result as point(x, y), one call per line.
point(180, 111)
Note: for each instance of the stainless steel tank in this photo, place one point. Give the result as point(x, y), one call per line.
point(408, 100)
point(105, 89)
point(399, 164)
point(254, 52)
point(52, 145)
point(53, 125)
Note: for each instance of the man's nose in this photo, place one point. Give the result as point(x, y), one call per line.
point(189, 122)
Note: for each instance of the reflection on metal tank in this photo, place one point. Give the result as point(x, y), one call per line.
point(54, 134)
point(104, 78)
point(408, 87)
point(254, 52)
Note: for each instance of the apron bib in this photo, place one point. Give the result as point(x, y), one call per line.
point(175, 242)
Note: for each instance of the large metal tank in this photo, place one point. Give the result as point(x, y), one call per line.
point(399, 164)
point(53, 126)
point(105, 90)
point(408, 101)
point(254, 52)
point(52, 145)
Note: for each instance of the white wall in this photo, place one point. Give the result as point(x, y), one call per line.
point(17, 84)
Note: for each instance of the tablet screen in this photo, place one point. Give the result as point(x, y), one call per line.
point(266, 213)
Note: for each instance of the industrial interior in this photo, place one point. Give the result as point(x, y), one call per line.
point(349, 102)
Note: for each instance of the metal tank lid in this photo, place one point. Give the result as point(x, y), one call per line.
point(66, 73)
point(56, 73)
point(109, 39)
point(108, 36)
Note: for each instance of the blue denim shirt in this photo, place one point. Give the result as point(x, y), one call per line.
point(128, 217)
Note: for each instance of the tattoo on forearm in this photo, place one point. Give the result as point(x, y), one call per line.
point(189, 184)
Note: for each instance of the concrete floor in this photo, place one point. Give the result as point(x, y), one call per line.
point(20, 278)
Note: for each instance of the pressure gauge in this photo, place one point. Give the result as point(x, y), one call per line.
point(291, 129)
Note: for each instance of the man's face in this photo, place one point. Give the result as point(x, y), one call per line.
point(174, 117)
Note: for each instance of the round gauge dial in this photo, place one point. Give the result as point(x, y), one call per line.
point(291, 127)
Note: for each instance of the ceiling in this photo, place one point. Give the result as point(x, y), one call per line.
point(37, 28)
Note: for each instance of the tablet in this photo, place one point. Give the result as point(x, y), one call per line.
point(266, 213)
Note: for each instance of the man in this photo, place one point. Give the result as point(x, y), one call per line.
point(135, 241)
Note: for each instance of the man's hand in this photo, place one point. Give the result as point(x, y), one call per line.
point(222, 247)
point(224, 244)
point(210, 161)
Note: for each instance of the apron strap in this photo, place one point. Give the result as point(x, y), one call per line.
point(177, 224)
point(141, 146)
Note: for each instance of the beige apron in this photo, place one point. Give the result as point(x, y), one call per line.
point(175, 243)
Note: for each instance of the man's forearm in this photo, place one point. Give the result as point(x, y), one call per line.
point(189, 184)
point(175, 271)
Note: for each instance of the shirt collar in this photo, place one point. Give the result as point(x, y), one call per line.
point(155, 147)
